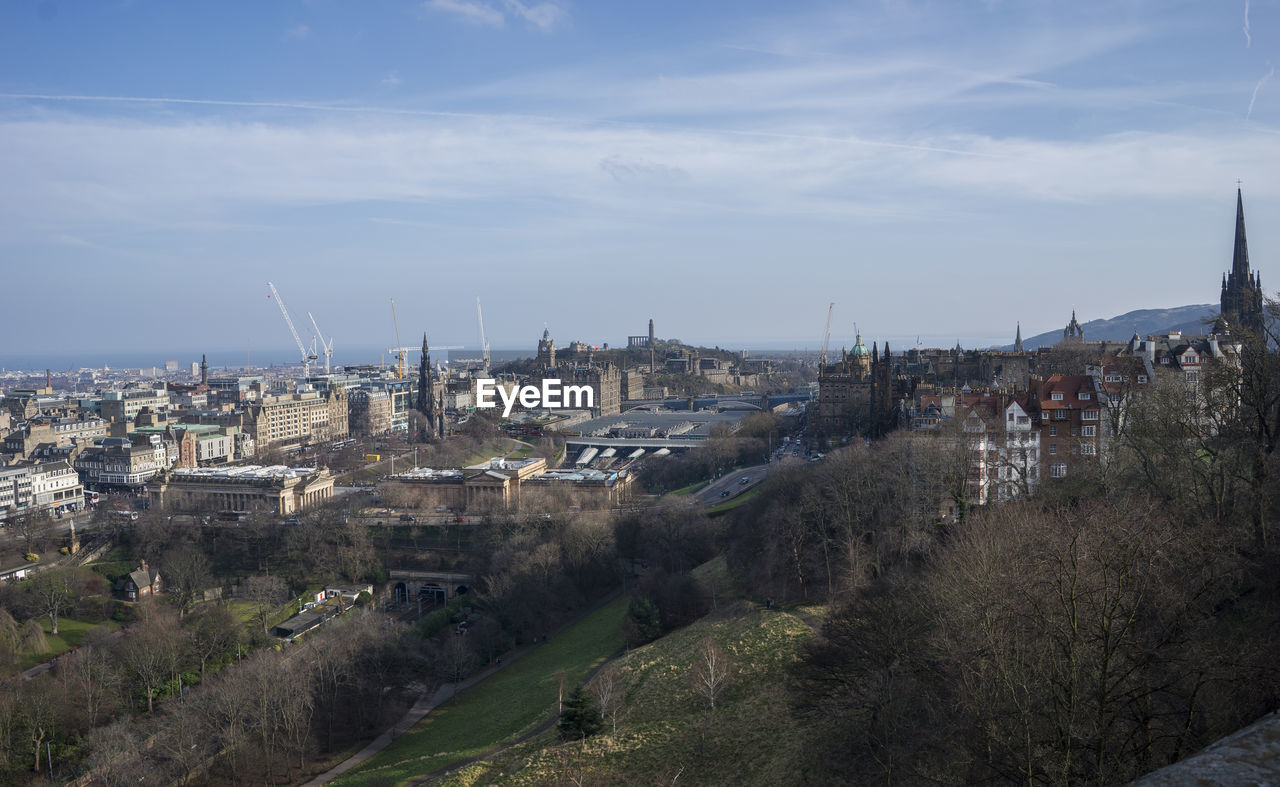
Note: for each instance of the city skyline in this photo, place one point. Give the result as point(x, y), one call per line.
point(728, 175)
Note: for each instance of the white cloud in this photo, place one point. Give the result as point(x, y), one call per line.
point(471, 11)
point(543, 16)
point(392, 79)
point(299, 30)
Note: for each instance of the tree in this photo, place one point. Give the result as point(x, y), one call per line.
point(607, 688)
point(213, 632)
point(580, 717)
point(150, 653)
point(34, 529)
point(53, 596)
point(93, 678)
point(186, 574)
point(266, 592)
point(712, 670)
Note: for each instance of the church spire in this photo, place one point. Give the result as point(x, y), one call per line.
point(1017, 339)
point(1240, 258)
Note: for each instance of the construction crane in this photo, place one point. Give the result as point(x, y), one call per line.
point(402, 353)
point(484, 343)
point(399, 351)
point(328, 346)
point(306, 358)
point(826, 337)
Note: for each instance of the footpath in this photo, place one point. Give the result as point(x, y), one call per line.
point(426, 704)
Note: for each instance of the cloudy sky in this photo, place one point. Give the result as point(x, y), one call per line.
point(728, 168)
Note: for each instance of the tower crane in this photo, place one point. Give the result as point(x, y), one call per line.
point(826, 337)
point(484, 343)
point(398, 351)
point(306, 358)
point(402, 353)
point(328, 346)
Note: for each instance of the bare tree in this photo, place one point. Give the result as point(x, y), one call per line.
point(150, 654)
point(53, 596)
point(607, 687)
point(34, 529)
point(91, 675)
point(213, 632)
point(265, 591)
point(186, 575)
point(712, 670)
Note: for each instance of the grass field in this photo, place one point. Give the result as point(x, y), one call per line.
point(512, 702)
point(666, 730)
point(732, 503)
point(685, 491)
point(70, 634)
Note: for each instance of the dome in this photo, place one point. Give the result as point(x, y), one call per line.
point(859, 348)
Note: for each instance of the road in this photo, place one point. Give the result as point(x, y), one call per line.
point(732, 483)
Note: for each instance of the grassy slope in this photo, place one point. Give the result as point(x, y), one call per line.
point(71, 633)
point(514, 701)
point(734, 502)
point(668, 730)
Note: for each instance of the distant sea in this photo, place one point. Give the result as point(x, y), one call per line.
point(218, 359)
point(235, 359)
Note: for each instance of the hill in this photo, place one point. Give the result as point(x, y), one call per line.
point(666, 730)
point(1188, 319)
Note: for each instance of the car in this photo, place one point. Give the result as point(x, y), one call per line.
point(293, 520)
point(746, 479)
point(725, 493)
point(409, 518)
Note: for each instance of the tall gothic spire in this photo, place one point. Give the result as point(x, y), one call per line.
point(1017, 340)
point(1240, 258)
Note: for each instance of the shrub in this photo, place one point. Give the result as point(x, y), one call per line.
point(31, 557)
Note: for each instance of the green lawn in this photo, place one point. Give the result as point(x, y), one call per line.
point(70, 634)
point(521, 452)
point(732, 503)
point(512, 702)
point(246, 612)
point(685, 491)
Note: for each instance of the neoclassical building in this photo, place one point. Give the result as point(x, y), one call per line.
point(276, 489)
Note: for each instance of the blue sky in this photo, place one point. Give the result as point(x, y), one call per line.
point(940, 169)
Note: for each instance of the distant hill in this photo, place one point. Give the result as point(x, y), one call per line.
point(1188, 319)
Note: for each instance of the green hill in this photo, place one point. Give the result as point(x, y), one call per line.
point(666, 728)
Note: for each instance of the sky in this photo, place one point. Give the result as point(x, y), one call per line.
point(934, 169)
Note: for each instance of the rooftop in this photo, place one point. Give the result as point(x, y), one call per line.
point(246, 472)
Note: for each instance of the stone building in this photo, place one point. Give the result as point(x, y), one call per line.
point(296, 418)
point(276, 489)
point(369, 412)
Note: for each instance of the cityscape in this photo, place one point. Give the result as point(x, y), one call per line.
point(356, 444)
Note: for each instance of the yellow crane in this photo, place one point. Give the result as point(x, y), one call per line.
point(401, 353)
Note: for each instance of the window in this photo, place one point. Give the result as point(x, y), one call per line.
point(1084, 395)
point(1057, 396)
point(1089, 449)
point(1058, 470)
point(1053, 449)
point(1053, 431)
point(1090, 431)
point(1089, 415)
point(1075, 431)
